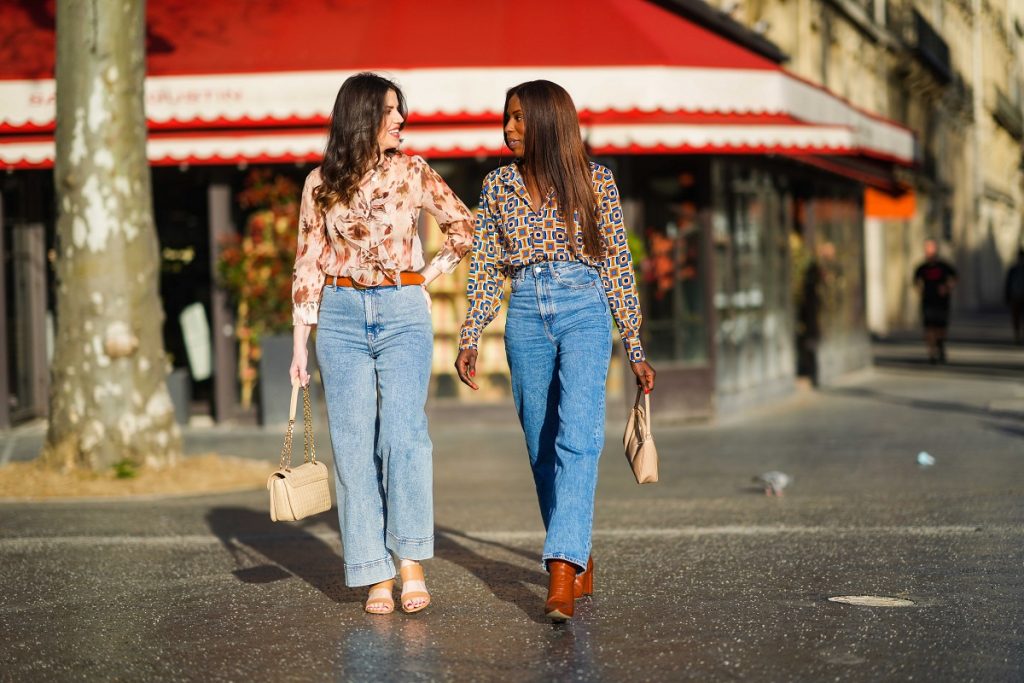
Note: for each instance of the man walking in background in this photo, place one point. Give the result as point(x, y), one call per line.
point(1015, 296)
point(935, 280)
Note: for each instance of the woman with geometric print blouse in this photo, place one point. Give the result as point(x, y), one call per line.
point(360, 280)
point(552, 223)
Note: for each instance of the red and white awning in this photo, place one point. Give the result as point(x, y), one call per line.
point(748, 135)
point(264, 77)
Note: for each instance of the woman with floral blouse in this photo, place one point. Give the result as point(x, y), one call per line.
point(361, 281)
point(552, 223)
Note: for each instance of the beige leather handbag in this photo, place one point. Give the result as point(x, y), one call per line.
point(639, 442)
point(300, 491)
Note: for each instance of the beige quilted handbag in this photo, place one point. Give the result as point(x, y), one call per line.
point(639, 442)
point(297, 492)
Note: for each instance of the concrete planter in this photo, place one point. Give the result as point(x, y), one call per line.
point(179, 385)
point(274, 388)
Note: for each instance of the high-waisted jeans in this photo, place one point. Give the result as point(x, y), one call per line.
point(374, 348)
point(558, 342)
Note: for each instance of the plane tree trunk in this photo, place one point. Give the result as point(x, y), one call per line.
point(108, 399)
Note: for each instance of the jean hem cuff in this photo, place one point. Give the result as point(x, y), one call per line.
point(411, 548)
point(581, 566)
point(369, 573)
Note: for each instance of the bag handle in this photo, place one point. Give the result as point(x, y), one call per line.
point(308, 446)
point(647, 411)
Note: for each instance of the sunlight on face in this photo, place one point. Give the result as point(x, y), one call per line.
point(515, 129)
point(391, 125)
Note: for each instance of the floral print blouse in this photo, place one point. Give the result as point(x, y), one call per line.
point(374, 236)
point(510, 235)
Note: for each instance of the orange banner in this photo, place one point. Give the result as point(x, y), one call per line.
point(878, 204)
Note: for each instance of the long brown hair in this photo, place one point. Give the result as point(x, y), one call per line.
point(352, 146)
point(554, 156)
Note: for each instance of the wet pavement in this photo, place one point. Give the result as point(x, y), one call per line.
point(699, 577)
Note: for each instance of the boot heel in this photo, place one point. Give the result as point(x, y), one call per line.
point(584, 583)
point(588, 580)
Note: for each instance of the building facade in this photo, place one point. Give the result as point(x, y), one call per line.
point(950, 70)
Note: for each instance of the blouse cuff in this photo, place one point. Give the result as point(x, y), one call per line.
point(634, 351)
point(468, 338)
point(305, 313)
point(446, 260)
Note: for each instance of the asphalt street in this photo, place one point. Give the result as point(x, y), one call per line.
point(699, 577)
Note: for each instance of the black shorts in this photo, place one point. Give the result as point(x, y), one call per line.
point(936, 316)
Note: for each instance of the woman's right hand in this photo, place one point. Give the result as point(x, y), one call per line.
point(300, 356)
point(644, 375)
point(297, 371)
point(465, 365)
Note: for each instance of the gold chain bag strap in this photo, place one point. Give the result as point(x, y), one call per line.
point(639, 442)
point(297, 492)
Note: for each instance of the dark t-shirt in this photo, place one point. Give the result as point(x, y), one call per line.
point(935, 277)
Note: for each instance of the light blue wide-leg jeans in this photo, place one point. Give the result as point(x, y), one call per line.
point(558, 342)
point(374, 348)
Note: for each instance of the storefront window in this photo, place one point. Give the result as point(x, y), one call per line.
point(751, 295)
point(840, 244)
point(670, 264)
point(827, 257)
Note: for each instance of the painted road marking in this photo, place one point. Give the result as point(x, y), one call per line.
point(872, 601)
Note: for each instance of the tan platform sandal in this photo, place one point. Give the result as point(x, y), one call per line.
point(413, 573)
point(381, 599)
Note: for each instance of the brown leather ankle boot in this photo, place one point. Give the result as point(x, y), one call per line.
point(561, 596)
point(584, 583)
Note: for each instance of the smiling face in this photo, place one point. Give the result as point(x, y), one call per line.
point(391, 124)
point(515, 126)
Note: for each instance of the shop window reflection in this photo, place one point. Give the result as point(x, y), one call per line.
point(670, 268)
point(827, 258)
point(752, 299)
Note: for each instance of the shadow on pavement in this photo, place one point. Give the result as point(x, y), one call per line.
point(265, 551)
point(507, 581)
point(923, 404)
point(1006, 429)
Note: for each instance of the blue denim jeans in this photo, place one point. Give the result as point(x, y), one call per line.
point(374, 348)
point(558, 342)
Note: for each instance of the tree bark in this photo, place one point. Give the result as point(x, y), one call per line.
point(108, 398)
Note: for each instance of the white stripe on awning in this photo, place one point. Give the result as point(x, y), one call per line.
point(242, 98)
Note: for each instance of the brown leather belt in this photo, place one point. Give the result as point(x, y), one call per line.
point(407, 278)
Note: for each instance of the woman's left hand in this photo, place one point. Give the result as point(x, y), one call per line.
point(644, 375)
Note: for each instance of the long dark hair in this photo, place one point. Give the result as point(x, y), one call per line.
point(554, 156)
point(352, 146)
